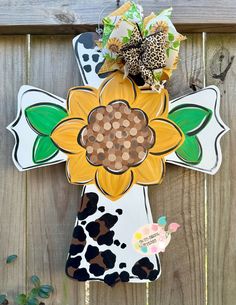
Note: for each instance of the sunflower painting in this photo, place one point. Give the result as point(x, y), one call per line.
point(116, 136)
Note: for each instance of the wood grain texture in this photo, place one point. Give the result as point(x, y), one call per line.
point(52, 201)
point(221, 191)
point(12, 183)
point(181, 198)
point(122, 293)
point(72, 16)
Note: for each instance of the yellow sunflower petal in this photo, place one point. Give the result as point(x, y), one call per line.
point(154, 104)
point(79, 170)
point(112, 185)
point(81, 101)
point(151, 171)
point(111, 65)
point(117, 87)
point(65, 135)
point(107, 66)
point(168, 137)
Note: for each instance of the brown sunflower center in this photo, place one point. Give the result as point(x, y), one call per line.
point(116, 136)
point(114, 48)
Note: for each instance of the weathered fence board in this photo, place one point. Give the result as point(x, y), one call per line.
point(181, 198)
point(122, 293)
point(221, 242)
point(73, 16)
point(12, 183)
point(52, 201)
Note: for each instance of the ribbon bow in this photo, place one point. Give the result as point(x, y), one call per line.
point(134, 45)
point(144, 55)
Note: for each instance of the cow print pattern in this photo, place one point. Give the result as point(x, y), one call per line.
point(88, 205)
point(79, 241)
point(144, 269)
point(100, 260)
point(89, 62)
point(100, 231)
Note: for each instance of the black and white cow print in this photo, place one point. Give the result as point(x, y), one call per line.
point(101, 247)
point(89, 58)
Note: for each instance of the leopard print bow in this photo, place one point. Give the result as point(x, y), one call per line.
point(144, 55)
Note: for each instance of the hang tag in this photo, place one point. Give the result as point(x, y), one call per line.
point(153, 238)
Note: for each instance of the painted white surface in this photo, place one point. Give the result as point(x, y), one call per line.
point(136, 213)
point(89, 78)
point(210, 136)
point(24, 134)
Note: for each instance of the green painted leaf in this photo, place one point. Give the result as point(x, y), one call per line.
point(44, 149)
point(190, 118)
point(130, 32)
point(21, 299)
point(157, 76)
point(46, 288)
point(11, 258)
point(125, 39)
point(3, 298)
point(32, 301)
point(171, 37)
point(168, 52)
point(44, 117)
point(35, 280)
point(176, 44)
point(107, 30)
point(145, 33)
point(190, 151)
point(108, 56)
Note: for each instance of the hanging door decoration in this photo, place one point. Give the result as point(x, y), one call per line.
point(115, 134)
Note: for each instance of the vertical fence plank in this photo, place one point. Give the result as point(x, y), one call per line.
point(181, 198)
point(122, 293)
point(12, 183)
point(221, 70)
point(52, 201)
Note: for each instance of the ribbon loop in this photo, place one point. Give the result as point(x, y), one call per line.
point(148, 46)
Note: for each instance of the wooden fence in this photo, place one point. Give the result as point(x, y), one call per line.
point(38, 208)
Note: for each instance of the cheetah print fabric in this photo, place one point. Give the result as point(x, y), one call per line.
point(153, 53)
point(143, 55)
